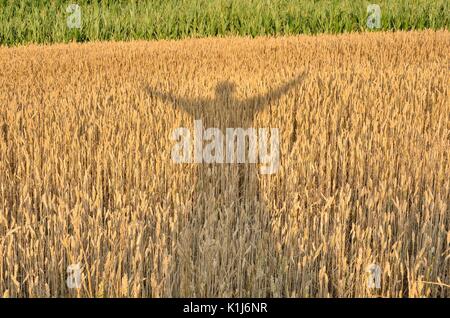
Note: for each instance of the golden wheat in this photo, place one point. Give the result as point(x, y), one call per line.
point(86, 174)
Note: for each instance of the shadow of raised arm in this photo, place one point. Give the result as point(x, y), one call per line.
point(191, 106)
point(258, 102)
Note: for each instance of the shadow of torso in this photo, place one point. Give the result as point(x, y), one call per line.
point(228, 181)
point(227, 206)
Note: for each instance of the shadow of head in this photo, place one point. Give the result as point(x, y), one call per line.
point(225, 89)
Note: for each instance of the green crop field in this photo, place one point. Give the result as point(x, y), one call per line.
point(26, 21)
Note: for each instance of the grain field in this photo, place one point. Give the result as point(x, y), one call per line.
point(86, 175)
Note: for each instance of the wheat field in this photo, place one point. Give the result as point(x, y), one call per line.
point(86, 174)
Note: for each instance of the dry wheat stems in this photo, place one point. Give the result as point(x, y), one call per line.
point(86, 175)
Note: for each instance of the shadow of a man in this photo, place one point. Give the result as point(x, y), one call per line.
point(221, 188)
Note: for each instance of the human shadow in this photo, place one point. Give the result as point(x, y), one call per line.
point(227, 201)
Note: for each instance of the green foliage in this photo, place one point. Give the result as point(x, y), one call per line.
point(27, 21)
